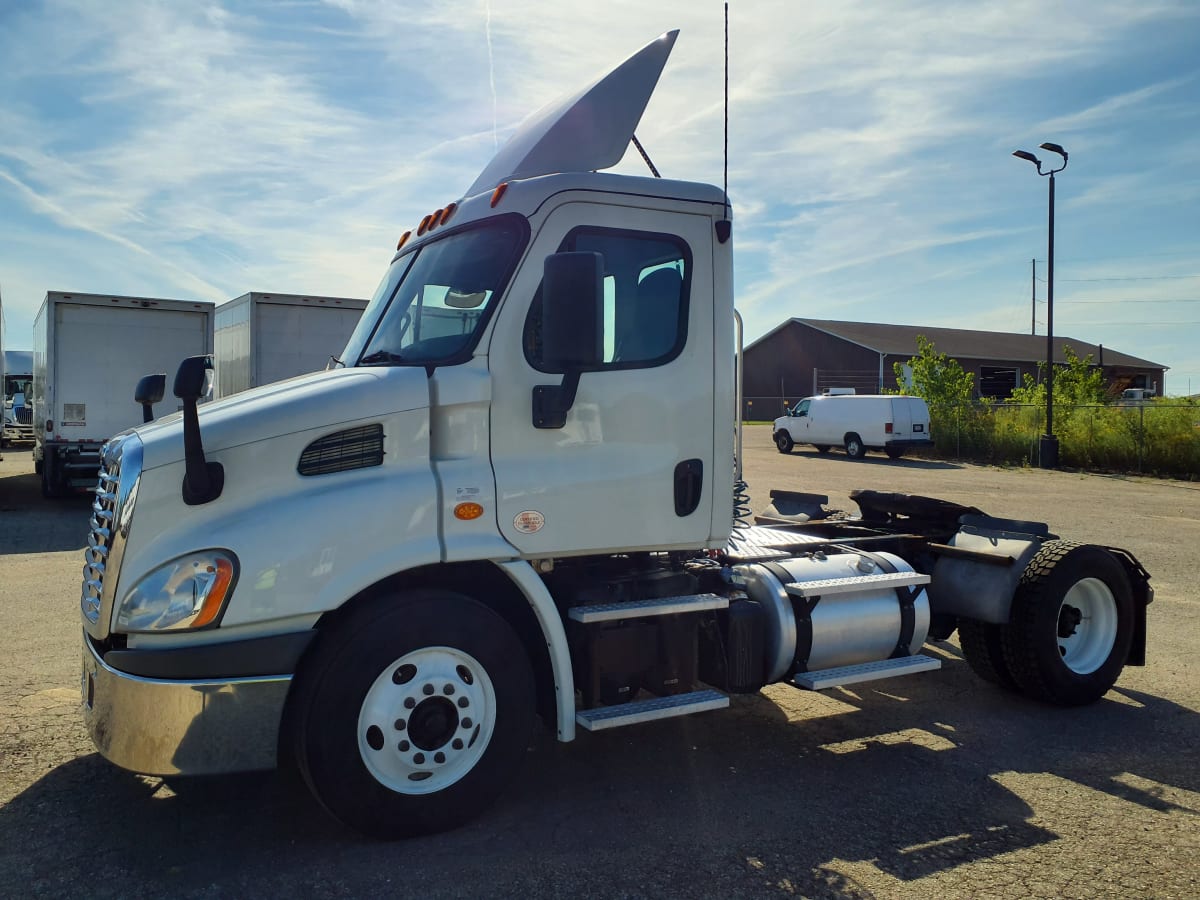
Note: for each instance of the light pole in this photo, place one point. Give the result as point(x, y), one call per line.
point(1048, 451)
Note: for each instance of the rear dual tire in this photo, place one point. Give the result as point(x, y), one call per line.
point(1069, 631)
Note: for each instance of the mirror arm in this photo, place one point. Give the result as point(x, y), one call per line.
point(552, 402)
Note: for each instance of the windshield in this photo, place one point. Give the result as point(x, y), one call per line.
point(434, 302)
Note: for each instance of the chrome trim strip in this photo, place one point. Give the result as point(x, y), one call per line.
point(160, 727)
point(116, 493)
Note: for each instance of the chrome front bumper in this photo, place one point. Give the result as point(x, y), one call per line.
point(159, 727)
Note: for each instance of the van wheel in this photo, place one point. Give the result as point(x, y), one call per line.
point(854, 446)
point(412, 713)
point(894, 452)
point(822, 448)
point(784, 442)
point(1071, 625)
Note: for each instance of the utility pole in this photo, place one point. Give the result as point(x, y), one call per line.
point(1033, 299)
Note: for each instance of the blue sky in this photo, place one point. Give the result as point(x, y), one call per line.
point(202, 150)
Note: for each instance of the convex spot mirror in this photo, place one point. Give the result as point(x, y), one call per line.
point(573, 310)
point(194, 378)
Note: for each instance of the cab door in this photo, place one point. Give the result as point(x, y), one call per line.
point(631, 467)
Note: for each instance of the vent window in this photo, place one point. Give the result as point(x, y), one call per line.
point(355, 448)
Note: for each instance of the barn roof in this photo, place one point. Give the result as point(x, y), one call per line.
point(901, 340)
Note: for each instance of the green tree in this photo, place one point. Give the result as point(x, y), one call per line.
point(941, 382)
point(1078, 383)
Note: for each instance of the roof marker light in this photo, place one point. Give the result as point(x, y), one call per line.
point(423, 227)
point(450, 208)
point(498, 193)
point(403, 239)
point(436, 218)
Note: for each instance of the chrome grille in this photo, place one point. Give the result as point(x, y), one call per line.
point(24, 415)
point(120, 471)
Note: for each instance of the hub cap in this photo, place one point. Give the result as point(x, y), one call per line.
point(1087, 626)
point(426, 720)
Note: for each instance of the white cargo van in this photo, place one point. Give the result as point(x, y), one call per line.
point(858, 422)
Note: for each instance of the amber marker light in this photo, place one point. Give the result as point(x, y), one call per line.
point(403, 239)
point(436, 219)
point(423, 227)
point(450, 208)
point(468, 511)
point(498, 193)
point(216, 597)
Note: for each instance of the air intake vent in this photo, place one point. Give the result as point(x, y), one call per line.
point(357, 448)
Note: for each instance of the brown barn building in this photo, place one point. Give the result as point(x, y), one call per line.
point(802, 357)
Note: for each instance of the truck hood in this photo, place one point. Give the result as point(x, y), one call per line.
point(318, 400)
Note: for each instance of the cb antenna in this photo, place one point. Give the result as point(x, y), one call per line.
point(725, 227)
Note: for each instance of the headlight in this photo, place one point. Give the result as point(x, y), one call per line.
point(187, 593)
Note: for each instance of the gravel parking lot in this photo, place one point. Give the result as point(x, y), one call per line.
point(933, 785)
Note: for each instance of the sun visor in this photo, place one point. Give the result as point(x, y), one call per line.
point(585, 131)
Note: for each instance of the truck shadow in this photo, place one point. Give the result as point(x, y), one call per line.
point(913, 778)
point(30, 523)
point(871, 459)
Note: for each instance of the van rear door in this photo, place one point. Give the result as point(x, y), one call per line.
point(901, 419)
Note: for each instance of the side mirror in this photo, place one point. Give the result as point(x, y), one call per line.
point(149, 391)
point(194, 378)
point(202, 480)
point(573, 310)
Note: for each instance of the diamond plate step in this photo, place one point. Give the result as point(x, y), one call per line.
point(826, 586)
point(661, 606)
point(872, 671)
point(649, 710)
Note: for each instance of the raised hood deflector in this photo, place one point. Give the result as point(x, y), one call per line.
point(584, 131)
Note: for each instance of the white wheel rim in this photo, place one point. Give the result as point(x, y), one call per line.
point(1089, 613)
point(426, 720)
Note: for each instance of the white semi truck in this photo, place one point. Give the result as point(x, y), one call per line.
point(520, 497)
point(16, 374)
point(89, 349)
point(262, 338)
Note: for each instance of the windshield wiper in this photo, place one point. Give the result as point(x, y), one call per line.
point(382, 358)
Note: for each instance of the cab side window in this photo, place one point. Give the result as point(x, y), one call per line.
point(647, 279)
point(801, 408)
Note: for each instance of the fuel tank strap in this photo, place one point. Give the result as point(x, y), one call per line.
point(802, 608)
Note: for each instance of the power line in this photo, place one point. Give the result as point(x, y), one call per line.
point(1133, 278)
point(1130, 300)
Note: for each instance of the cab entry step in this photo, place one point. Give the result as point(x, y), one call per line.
point(660, 606)
point(872, 671)
point(649, 710)
point(826, 586)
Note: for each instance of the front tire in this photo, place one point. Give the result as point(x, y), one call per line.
point(784, 442)
point(1071, 625)
point(854, 446)
point(413, 713)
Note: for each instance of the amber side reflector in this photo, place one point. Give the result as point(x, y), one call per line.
point(403, 239)
point(468, 511)
point(449, 212)
point(498, 193)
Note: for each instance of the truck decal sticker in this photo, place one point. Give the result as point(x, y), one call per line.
point(529, 522)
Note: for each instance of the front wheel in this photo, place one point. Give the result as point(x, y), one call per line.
point(413, 713)
point(784, 442)
point(1071, 625)
point(854, 446)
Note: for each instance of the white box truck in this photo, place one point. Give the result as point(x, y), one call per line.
point(89, 352)
point(891, 423)
point(519, 497)
point(263, 338)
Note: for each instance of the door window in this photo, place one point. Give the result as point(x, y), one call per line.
point(647, 278)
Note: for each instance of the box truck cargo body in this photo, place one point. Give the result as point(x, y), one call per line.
point(89, 352)
point(263, 338)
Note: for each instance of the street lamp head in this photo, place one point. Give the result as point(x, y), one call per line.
point(1026, 155)
point(1055, 148)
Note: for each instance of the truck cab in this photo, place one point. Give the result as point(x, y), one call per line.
point(516, 494)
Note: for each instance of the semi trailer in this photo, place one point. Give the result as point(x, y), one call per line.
point(520, 496)
point(88, 349)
